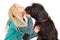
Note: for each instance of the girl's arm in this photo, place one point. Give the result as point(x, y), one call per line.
point(29, 28)
point(34, 34)
point(11, 34)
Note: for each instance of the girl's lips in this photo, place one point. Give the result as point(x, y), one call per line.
point(23, 13)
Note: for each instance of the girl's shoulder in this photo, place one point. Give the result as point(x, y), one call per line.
point(11, 23)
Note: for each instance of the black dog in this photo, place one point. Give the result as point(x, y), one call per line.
point(47, 27)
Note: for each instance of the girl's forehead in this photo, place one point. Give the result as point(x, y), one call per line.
point(18, 6)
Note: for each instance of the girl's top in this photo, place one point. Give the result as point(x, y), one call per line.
point(14, 34)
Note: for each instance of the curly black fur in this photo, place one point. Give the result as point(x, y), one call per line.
point(47, 28)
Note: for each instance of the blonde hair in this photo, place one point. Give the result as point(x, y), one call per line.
point(14, 16)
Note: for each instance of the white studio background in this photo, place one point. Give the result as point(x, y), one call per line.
point(51, 6)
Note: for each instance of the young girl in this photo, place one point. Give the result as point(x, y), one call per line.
point(17, 26)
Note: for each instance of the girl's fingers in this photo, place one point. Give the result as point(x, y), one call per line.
point(37, 29)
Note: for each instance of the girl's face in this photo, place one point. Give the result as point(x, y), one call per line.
point(21, 11)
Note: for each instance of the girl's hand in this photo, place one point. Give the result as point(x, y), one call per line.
point(37, 29)
point(27, 15)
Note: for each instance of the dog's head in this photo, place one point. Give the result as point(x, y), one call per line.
point(37, 11)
